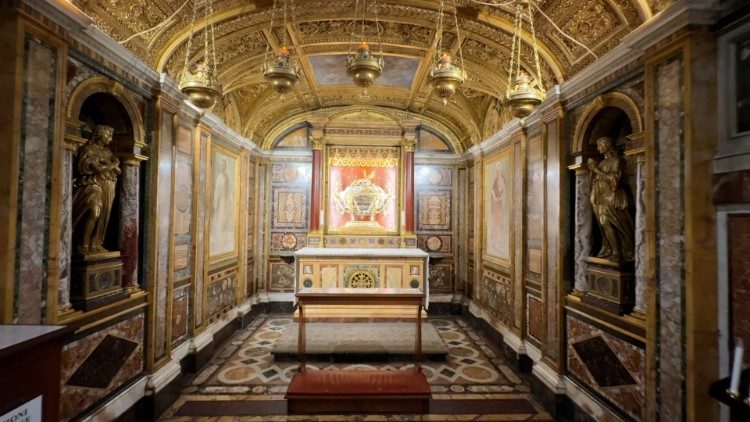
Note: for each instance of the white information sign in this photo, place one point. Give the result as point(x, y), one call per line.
point(31, 411)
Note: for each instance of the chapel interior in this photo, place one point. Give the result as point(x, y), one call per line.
point(375, 210)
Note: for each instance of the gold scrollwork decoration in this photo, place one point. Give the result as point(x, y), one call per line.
point(363, 157)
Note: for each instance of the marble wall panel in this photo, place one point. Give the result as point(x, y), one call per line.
point(221, 292)
point(433, 210)
point(517, 236)
point(441, 277)
point(130, 363)
point(183, 200)
point(281, 276)
point(669, 203)
point(607, 364)
point(738, 228)
point(534, 204)
point(433, 175)
point(291, 173)
point(180, 314)
point(582, 218)
point(497, 292)
point(435, 243)
point(251, 285)
point(162, 219)
point(35, 170)
point(200, 225)
point(290, 208)
point(287, 242)
point(535, 318)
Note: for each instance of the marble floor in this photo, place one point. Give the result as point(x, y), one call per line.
point(243, 382)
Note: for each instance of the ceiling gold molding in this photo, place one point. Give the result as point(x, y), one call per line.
point(406, 27)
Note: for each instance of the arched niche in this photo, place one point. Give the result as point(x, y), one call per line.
point(100, 87)
point(593, 111)
point(102, 101)
point(617, 116)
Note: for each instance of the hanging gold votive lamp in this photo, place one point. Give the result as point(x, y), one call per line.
point(199, 83)
point(363, 66)
point(446, 76)
point(281, 72)
point(524, 92)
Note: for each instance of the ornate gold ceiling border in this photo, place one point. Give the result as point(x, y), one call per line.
point(332, 112)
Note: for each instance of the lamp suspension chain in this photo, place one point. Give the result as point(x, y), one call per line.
point(190, 37)
point(213, 37)
point(270, 29)
point(458, 36)
point(439, 31)
point(533, 43)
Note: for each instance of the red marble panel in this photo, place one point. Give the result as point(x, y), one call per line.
point(74, 399)
point(738, 227)
point(630, 397)
point(180, 305)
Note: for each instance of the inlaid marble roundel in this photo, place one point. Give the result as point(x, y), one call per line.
point(307, 283)
point(182, 198)
point(434, 243)
point(414, 284)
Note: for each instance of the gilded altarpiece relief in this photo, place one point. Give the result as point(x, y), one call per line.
point(372, 168)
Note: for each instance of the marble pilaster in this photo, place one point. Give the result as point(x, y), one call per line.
point(582, 241)
point(408, 146)
point(129, 227)
point(640, 239)
point(72, 142)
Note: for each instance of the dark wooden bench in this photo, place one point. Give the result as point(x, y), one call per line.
point(360, 391)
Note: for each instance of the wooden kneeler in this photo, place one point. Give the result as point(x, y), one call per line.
point(360, 391)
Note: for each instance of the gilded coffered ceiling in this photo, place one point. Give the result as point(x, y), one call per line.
point(321, 34)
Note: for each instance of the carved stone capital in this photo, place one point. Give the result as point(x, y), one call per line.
point(317, 143)
point(409, 144)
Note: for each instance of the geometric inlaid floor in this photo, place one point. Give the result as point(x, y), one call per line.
point(243, 382)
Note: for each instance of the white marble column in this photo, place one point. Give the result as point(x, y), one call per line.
point(582, 240)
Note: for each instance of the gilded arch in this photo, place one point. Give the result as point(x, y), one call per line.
point(611, 99)
point(102, 84)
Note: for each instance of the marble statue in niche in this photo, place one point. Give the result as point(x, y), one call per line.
point(610, 203)
point(94, 190)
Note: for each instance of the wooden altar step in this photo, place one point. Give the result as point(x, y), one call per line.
point(361, 313)
point(358, 391)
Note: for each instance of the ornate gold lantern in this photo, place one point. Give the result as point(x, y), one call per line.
point(200, 83)
point(524, 93)
point(445, 76)
point(363, 66)
point(282, 73)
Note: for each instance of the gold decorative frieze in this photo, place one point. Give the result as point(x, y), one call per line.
point(363, 157)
